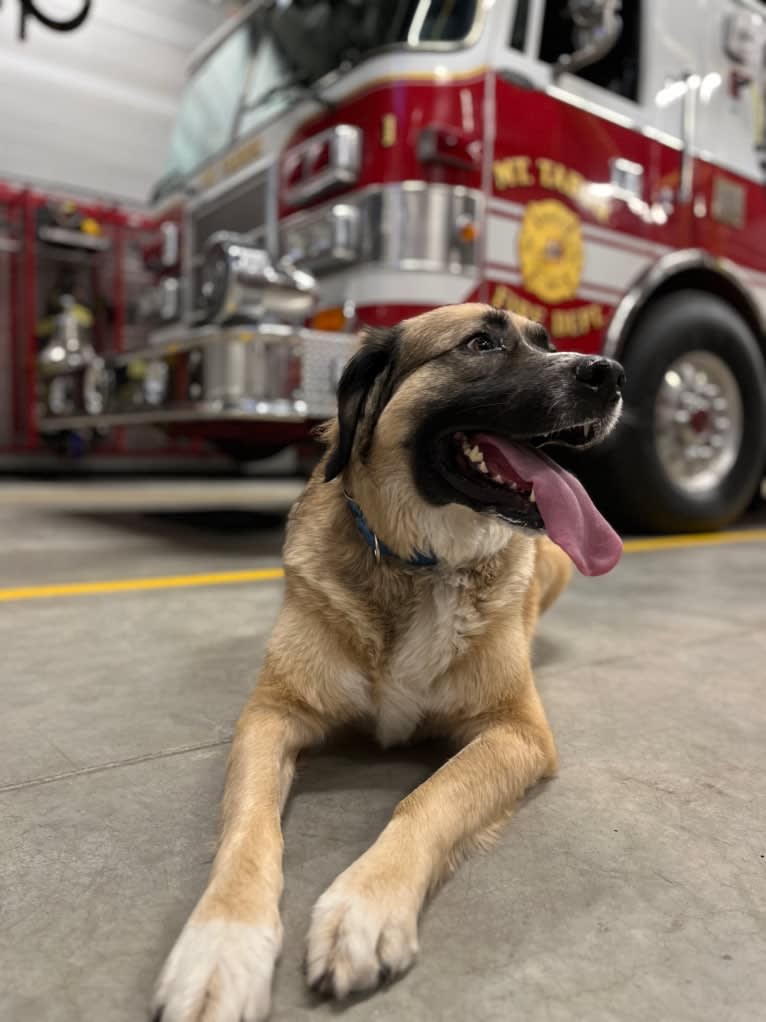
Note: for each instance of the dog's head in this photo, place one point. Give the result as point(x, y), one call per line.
point(451, 409)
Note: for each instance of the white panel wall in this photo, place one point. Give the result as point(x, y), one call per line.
point(93, 108)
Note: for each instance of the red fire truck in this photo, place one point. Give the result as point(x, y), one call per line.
point(596, 166)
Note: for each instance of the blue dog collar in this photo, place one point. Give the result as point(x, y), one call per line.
point(418, 560)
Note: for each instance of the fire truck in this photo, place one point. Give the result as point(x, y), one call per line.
point(596, 166)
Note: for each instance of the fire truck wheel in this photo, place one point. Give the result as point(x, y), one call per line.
point(690, 450)
point(243, 452)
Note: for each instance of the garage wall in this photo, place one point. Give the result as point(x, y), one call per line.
point(93, 108)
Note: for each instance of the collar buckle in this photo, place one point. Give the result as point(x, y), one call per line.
point(379, 550)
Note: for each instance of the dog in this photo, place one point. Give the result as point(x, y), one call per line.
point(416, 565)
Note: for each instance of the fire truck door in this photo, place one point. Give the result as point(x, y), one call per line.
point(586, 167)
point(731, 137)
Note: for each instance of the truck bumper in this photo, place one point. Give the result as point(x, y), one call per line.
point(270, 373)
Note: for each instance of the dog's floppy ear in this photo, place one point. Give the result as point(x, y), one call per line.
point(373, 360)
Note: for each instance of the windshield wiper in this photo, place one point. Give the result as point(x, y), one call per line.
point(297, 81)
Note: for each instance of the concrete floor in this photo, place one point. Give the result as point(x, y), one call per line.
point(631, 888)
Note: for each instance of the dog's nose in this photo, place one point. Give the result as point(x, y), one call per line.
point(600, 374)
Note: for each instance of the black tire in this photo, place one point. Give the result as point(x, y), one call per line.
point(627, 476)
point(243, 452)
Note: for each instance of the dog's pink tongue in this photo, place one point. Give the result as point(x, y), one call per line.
point(570, 518)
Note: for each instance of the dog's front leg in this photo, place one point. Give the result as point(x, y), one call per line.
point(221, 967)
point(364, 927)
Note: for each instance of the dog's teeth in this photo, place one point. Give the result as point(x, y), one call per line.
point(587, 428)
point(475, 455)
point(532, 496)
point(497, 478)
point(482, 467)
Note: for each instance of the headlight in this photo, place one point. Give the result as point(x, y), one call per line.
point(326, 241)
point(410, 226)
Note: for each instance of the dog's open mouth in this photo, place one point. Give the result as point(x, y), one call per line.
point(492, 479)
point(515, 480)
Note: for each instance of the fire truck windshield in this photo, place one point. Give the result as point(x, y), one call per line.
point(209, 104)
point(265, 65)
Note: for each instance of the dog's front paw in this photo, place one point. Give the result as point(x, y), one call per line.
point(218, 971)
point(359, 937)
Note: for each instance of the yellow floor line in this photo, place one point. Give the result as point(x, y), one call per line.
point(222, 578)
point(637, 546)
point(127, 585)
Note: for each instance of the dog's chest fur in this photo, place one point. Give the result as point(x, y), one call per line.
point(412, 682)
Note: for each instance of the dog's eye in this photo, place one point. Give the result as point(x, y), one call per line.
point(483, 342)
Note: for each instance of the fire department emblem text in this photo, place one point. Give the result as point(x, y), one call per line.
point(550, 251)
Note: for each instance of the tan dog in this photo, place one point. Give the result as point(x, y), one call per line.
point(415, 571)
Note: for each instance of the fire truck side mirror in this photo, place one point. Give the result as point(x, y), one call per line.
point(597, 27)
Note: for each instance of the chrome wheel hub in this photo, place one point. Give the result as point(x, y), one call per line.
point(698, 421)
